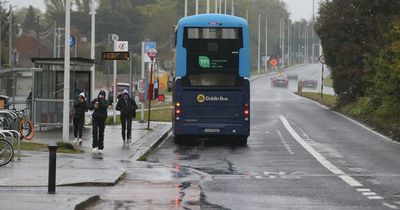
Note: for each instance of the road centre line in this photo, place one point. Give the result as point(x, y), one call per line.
point(328, 165)
point(363, 190)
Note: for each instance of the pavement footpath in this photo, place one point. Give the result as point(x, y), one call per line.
point(80, 177)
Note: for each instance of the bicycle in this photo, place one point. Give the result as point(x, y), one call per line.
point(25, 127)
point(17, 120)
point(6, 152)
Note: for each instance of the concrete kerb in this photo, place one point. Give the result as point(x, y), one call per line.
point(88, 202)
point(153, 145)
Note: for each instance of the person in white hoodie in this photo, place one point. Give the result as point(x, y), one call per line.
point(127, 107)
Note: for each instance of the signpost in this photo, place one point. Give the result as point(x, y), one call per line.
point(152, 53)
point(274, 62)
point(322, 61)
point(145, 59)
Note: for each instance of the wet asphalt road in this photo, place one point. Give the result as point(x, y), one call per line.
point(299, 156)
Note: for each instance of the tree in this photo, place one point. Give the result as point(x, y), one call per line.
point(29, 19)
point(351, 31)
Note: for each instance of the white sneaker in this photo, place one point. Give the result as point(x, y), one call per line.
point(95, 150)
point(75, 141)
point(80, 141)
point(100, 151)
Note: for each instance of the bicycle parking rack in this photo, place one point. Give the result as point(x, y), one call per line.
point(12, 137)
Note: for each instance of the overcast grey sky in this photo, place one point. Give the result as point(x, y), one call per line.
point(298, 8)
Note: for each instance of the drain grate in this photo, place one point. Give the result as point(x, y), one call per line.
point(27, 181)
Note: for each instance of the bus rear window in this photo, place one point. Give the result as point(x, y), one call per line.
point(213, 33)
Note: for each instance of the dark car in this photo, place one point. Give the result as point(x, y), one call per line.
point(309, 83)
point(280, 81)
point(120, 87)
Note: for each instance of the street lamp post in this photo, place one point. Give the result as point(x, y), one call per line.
point(152, 53)
point(66, 72)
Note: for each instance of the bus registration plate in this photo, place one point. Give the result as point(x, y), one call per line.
point(212, 130)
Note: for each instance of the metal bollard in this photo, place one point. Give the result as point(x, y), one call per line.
point(52, 168)
point(299, 88)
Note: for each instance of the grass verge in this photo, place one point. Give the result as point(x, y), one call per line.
point(66, 148)
point(327, 100)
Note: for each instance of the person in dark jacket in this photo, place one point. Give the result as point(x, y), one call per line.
point(80, 107)
point(127, 107)
point(99, 116)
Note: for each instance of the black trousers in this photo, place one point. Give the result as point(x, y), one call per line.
point(98, 126)
point(78, 126)
point(126, 122)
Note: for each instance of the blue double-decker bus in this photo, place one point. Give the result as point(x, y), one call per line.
point(212, 89)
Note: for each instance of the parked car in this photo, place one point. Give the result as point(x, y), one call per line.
point(120, 87)
point(280, 81)
point(309, 83)
point(292, 75)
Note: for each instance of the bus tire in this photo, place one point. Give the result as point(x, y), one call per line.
point(241, 141)
point(179, 139)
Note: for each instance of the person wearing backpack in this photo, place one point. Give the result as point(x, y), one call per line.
point(127, 107)
point(80, 107)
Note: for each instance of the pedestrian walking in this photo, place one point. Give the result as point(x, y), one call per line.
point(127, 107)
point(99, 106)
point(80, 107)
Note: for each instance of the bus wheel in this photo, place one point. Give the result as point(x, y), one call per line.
point(179, 139)
point(241, 141)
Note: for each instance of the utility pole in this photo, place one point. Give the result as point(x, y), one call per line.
point(233, 7)
point(10, 33)
point(259, 35)
point(288, 42)
point(305, 45)
point(1, 31)
point(216, 6)
point(66, 72)
point(92, 48)
point(208, 6)
point(186, 8)
point(55, 41)
point(247, 15)
point(220, 6)
point(266, 44)
point(38, 35)
point(197, 7)
point(283, 43)
point(225, 7)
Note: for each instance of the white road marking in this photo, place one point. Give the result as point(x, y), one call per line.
point(328, 165)
point(350, 181)
point(254, 174)
point(369, 193)
point(285, 143)
point(258, 177)
point(267, 132)
point(363, 190)
point(390, 206)
point(375, 197)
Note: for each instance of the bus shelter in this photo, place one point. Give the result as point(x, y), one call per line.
point(48, 87)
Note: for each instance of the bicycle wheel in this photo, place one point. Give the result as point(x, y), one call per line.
point(26, 129)
point(6, 152)
point(5, 123)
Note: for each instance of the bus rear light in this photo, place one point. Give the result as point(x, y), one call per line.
point(246, 111)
